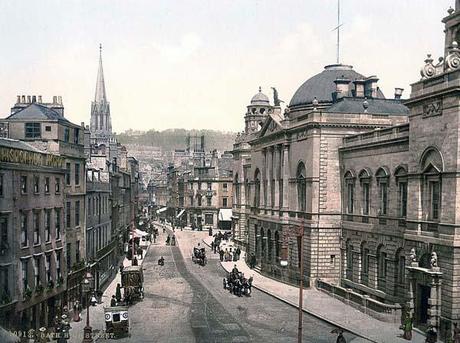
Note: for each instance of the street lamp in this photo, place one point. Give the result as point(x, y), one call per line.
point(87, 331)
point(284, 263)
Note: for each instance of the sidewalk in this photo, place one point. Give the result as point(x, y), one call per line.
point(96, 313)
point(322, 306)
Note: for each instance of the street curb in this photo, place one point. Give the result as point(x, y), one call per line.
point(319, 316)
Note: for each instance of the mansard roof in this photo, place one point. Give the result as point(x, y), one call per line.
point(375, 106)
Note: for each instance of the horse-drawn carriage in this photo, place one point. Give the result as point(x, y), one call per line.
point(132, 279)
point(237, 284)
point(116, 320)
point(199, 256)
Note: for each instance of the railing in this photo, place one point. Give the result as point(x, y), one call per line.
point(376, 309)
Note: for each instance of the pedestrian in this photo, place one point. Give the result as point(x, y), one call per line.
point(407, 326)
point(456, 337)
point(76, 311)
point(118, 292)
point(252, 261)
point(113, 301)
point(238, 253)
point(173, 240)
point(212, 245)
point(340, 338)
point(168, 239)
point(154, 238)
point(93, 300)
point(135, 263)
point(221, 255)
point(431, 335)
point(140, 252)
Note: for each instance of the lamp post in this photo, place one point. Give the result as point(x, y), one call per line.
point(87, 330)
point(284, 263)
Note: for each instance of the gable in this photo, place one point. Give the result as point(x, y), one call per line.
point(269, 127)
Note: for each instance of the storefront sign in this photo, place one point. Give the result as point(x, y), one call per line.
point(12, 155)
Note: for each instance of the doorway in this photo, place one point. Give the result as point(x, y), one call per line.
point(424, 295)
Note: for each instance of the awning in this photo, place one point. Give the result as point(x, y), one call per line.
point(180, 213)
point(162, 209)
point(225, 215)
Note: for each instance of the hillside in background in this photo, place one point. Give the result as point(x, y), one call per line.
point(176, 138)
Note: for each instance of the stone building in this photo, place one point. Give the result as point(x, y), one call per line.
point(32, 235)
point(44, 126)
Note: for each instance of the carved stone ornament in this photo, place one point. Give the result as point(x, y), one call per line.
point(413, 256)
point(434, 260)
point(432, 109)
point(453, 57)
point(430, 69)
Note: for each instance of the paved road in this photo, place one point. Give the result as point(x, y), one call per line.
point(185, 302)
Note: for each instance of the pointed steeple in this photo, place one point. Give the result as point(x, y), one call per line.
point(100, 84)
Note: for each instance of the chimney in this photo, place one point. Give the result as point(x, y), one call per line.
point(398, 93)
point(359, 88)
point(29, 100)
point(60, 100)
point(54, 99)
point(34, 99)
point(370, 87)
point(39, 99)
point(341, 87)
point(18, 101)
point(23, 99)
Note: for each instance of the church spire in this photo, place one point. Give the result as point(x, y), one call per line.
point(100, 84)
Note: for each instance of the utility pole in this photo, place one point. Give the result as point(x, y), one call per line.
point(338, 31)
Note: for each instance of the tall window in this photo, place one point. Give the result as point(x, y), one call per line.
point(401, 179)
point(66, 135)
point(36, 227)
point(67, 174)
point(272, 193)
point(57, 223)
point(208, 219)
point(1, 185)
point(67, 214)
point(208, 201)
point(25, 280)
point(382, 181)
point(301, 188)
point(364, 263)
point(77, 252)
point(401, 270)
point(77, 174)
point(57, 185)
point(68, 255)
point(350, 191)
point(435, 199)
point(47, 225)
point(349, 258)
point(257, 188)
point(37, 270)
point(4, 277)
point(199, 200)
point(210, 186)
point(36, 184)
point(58, 264)
point(432, 167)
point(76, 135)
point(24, 233)
point(48, 267)
point(89, 206)
point(32, 130)
point(3, 233)
point(23, 184)
point(224, 202)
point(381, 268)
point(47, 184)
point(77, 213)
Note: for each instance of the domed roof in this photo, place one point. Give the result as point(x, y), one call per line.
point(322, 85)
point(260, 99)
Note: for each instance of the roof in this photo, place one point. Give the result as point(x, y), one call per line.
point(14, 143)
point(36, 111)
point(260, 99)
point(322, 85)
point(376, 106)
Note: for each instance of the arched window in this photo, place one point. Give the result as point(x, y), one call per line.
point(277, 245)
point(365, 181)
point(257, 188)
point(364, 263)
point(349, 259)
point(381, 267)
point(432, 166)
point(301, 187)
point(350, 191)
point(401, 181)
point(382, 176)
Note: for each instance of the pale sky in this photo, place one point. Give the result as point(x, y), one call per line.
point(196, 64)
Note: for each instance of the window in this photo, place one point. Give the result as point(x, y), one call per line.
point(89, 206)
point(25, 281)
point(66, 135)
point(349, 257)
point(68, 255)
point(77, 252)
point(199, 185)
point(401, 269)
point(382, 181)
point(47, 185)
point(1, 185)
point(36, 184)
point(76, 135)
point(3, 233)
point(24, 234)
point(4, 277)
point(58, 264)
point(280, 199)
point(350, 197)
point(224, 202)
point(191, 200)
point(37, 270)
point(199, 200)
point(36, 227)
point(77, 213)
point(272, 193)
point(67, 214)
point(77, 174)
point(257, 188)
point(67, 174)
point(435, 199)
point(57, 185)
point(32, 130)
point(48, 128)
point(208, 201)
point(301, 188)
point(209, 186)
point(48, 267)
point(47, 225)
point(366, 202)
point(224, 187)
point(23, 184)
point(402, 196)
point(57, 224)
point(208, 219)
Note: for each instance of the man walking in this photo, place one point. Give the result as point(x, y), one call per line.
point(221, 255)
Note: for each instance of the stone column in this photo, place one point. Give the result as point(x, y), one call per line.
point(286, 175)
point(269, 175)
point(276, 166)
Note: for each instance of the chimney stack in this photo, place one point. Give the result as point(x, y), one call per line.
point(370, 87)
point(398, 93)
point(34, 98)
point(29, 100)
point(39, 99)
point(341, 87)
point(60, 100)
point(359, 88)
point(54, 99)
point(23, 99)
point(18, 101)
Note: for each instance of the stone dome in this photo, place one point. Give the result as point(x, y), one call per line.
point(260, 99)
point(322, 85)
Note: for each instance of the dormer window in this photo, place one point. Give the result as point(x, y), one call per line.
point(32, 130)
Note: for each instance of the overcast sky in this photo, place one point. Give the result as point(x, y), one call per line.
point(196, 64)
